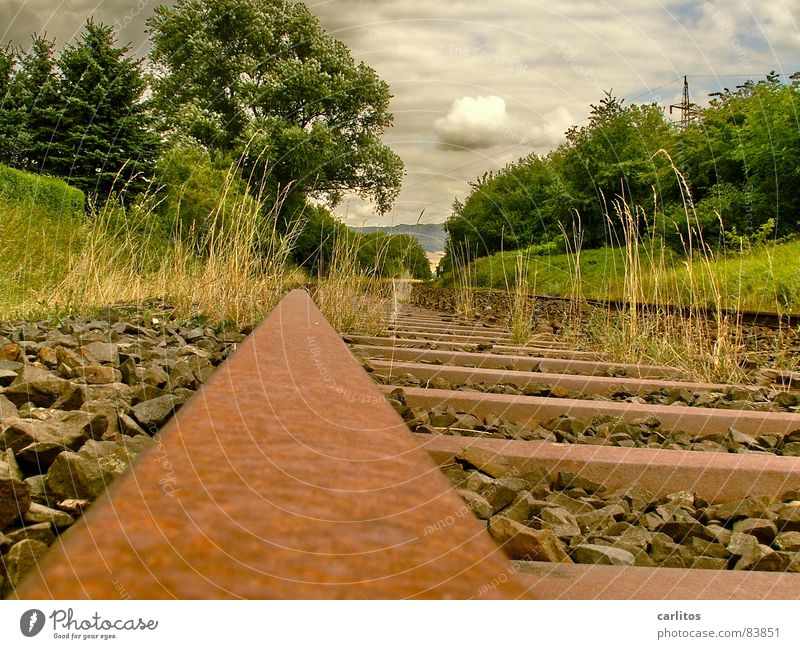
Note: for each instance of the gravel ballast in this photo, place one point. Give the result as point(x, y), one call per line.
point(80, 398)
point(562, 517)
point(601, 430)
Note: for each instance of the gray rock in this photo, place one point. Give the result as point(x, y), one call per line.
point(764, 530)
point(521, 542)
point(7, 409)
point(682, 530)
point(443, 418)
point(41, 441)
point(704, 548)
point(637, 496)
point(663, 548)
point(98, 374)
point(15, 496)
point(87, 473)
point(477, 503)
point(73, 398)
point(153, 413)
point(489, 462)
point(599, 518)
point(709, 563)
point(787, 541)
point(788, 519)
point(741, 544)
point(567, 480)
point(41, 514)
point(558, 516)
point(102, 352)
point(752, 507)
point(38, 386)
point(182, 376)
point(23, 557)
point(678, 394)
point(561, 522)
point(519, 510)
point(37, 487)
point(572, 505)
point(476, 481)
point(790, 449)
point(603, 555)
point(498, 495)
point(69, 358)
point(8, 457)
point(108, 409)
point(789, 561)
point(759, 557)
point(719, 534)
point(42, 532)
point(466, 421)
point(566, 424)
point(455, 474)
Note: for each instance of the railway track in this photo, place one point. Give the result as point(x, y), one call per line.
point(744, 317)
point(295, 474)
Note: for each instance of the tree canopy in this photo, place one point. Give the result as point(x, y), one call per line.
point(79, 114)
point(738, 158)
point(261, 79)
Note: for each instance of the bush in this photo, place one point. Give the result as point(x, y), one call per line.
point(194, 192)
point(49, 194)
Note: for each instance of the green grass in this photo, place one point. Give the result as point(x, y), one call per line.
point(36, 248)
point(41, 192)
point(53, 264)
point(767, 278)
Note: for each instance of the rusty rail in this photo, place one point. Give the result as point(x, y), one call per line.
point(290, 477)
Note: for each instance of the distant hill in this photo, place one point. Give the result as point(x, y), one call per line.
point(431, 236)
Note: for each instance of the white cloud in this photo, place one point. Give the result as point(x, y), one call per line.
point(550, 132)
point(475, 123)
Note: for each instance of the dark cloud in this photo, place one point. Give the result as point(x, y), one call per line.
point(62, 20)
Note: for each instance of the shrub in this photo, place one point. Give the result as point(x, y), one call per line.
point(49, 194)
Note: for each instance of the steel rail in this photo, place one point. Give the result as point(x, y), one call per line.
point(290, 477)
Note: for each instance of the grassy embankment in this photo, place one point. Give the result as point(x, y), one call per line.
point(54, 259)
point(766, 278)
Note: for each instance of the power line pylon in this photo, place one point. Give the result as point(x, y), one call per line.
point(686, 106)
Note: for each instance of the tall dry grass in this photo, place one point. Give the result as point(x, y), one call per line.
point(464, 284)
point(521, 304)
point(351, 299)
point(704, 341)
point(240, 276)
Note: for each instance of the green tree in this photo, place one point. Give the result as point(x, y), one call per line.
point(261, 79)
point(313, 248)
point(105, 138)
point(193, 190)
point(615, 156)
point(392, 255)
point(9, 115)
point(740, 159)
point(38, 106)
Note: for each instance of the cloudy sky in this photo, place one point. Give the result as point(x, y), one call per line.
point(480, 83)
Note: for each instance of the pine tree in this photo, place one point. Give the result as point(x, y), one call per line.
point(9, 116)
point(38, 106)
point(105, 142)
